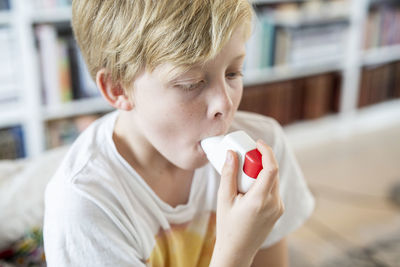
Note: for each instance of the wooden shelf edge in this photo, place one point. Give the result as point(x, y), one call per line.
point(5, 18)
point(76, 108)
point(338, 126)
point(381, 55)
point(282, 73)
point(59, 14)
point(10, 115)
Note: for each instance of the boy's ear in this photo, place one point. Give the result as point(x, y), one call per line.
point(113, 93)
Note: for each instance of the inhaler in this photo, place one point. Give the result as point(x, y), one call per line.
point(250, 163)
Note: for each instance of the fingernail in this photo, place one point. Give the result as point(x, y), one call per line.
point(261, 141)
point(229, 157)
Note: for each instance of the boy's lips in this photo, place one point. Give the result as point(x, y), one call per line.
point(208, 136)
point(213, 135)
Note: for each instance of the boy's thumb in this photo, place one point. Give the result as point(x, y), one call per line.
point(228, 183)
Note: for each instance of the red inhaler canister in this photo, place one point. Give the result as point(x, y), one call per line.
point(250, 162)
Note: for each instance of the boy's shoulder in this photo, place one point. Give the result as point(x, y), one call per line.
point(90, 147)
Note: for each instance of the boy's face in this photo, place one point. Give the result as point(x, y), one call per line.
point(173, 116)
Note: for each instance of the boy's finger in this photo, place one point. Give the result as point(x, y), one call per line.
point(268, 156)
point(275, 186)
point(228, 185)
point(265, 182)
point(269, 174)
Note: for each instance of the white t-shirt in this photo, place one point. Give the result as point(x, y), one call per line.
point(100, 212)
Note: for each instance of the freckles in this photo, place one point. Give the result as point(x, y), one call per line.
point(184, 111)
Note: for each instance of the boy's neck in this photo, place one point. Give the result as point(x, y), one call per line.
point(136, 147)
point(162, 176)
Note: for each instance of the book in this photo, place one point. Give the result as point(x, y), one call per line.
point(280, 100)
point(295, 34)
point(64, 73)
point(395, 90)
point(267, 43)
point(283, 107)
point(64, 70)
point(318, 95)
point(365, 81)
point(295, 105)
point(379, 83)
point(4, 4)
point(83, 86)
point(336, 93)
point(48, 53)
point(253, 46)
point(65, 131)
point(382, 27)
point(86, 86)
point(8, 76)
point(316, 43)
point(294, 100)
point(12, 143)
point(282, 46)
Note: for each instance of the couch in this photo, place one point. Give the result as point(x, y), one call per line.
point(22, 186)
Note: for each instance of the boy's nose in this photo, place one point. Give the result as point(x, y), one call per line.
point(220, 101)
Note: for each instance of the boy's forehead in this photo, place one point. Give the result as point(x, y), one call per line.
point(233, 51)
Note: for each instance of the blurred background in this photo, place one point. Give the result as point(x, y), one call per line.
point(327, 70)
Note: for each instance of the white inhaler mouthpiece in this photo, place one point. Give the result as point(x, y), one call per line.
point(250, 163)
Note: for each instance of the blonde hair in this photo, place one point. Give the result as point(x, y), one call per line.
point(127, 36)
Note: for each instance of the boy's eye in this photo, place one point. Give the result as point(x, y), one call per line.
point(191, 86)
point(233, 75)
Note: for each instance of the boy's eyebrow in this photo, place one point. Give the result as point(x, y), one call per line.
point(196, 69)
point(177, 77)
point(240, 56)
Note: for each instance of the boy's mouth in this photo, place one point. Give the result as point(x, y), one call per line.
point(199, 142)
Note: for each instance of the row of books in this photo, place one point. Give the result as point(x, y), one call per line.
point(12, 143)
point(8, 80)
point(379, 83)
point(58, 133)
point(294, 100)
point(65, 131)
point(291, 34)
point(64, 74)
point(4, 4)
point(48, 4)
point(382, 27)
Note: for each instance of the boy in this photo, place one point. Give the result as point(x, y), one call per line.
point(135, 189)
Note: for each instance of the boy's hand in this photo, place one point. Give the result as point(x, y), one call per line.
point(245, 220)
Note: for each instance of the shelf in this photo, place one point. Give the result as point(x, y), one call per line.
point(10, 115)
point(34, 117)
point(76, 108)
point(260, 2)
point(381, 55)
point(333, 127)
point(275, 74)
point(5, 18)
point(311, 20)
point(59, 14)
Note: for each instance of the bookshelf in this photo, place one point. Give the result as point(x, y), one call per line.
point(282, 73)
point(381, 55)
point(51, 15)
point(76, 108)
point(35, 118)
point(10, 115)
point(5, 18)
